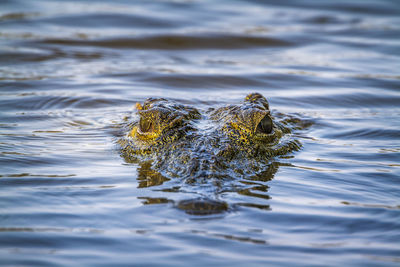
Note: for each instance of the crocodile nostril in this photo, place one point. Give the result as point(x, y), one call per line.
point(265, 125)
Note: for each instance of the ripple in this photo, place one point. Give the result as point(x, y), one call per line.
point(373, 206)
point(18, 16)
point(109, 20)
point(18, 175)
point(174, 42)
point(203, 81)
point(48, 102)
point(343, 98)
point(366, 134)
point(24, 57)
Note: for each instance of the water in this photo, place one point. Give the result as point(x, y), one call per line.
point(71, 71)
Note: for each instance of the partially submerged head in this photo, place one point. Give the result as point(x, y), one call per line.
point(238, 137)
point(247, 127)
point(160, 119)
point(249, 121)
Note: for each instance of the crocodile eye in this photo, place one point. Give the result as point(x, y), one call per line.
point(145, 125)
point(265, 125)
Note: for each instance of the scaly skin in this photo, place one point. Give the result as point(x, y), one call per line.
point(238, 140)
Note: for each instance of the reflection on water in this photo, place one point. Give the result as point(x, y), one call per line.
point(148, 177)
point(254, 186)
point(71, 71)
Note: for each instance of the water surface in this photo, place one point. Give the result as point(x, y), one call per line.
point(72, 71)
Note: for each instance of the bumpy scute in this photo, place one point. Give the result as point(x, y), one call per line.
point(161, 122)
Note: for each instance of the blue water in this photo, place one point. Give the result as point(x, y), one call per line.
point(72, 71)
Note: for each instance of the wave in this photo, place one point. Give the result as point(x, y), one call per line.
point(175, 41)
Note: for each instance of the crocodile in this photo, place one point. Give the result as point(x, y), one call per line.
point(215, 145)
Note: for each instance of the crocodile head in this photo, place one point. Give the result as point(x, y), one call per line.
point(222, 149)
point(184, 142)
